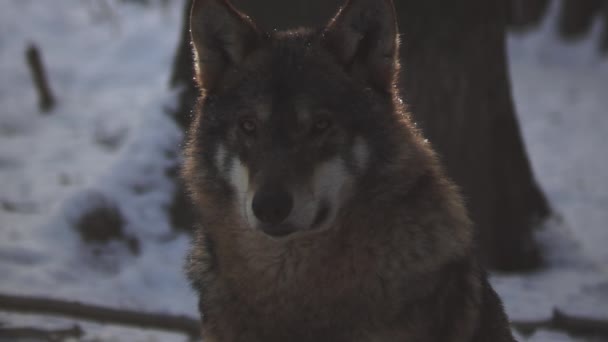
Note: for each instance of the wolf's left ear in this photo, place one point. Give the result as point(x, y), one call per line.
point(222, 37)
point(364, 38)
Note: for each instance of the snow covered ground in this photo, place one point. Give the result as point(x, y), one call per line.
point(110, 139)
point(561, 94)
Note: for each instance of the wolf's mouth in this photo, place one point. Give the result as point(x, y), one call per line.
point(278, 230)
point(322, 215)
point(285, 228)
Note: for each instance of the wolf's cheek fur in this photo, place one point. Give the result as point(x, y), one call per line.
point(239, 180)
point(331, 184)
point(333, 180)
point(236, 174)
point(360, 155)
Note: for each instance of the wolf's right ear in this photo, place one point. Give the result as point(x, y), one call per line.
point(221, 37)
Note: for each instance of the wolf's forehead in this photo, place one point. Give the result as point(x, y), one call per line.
point(262, 110)
point(289, 111)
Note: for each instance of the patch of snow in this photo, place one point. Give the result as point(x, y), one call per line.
point(108, 63)
point(560, 94)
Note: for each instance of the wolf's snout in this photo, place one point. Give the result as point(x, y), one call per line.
point(272, 206)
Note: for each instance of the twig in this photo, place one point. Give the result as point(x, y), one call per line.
point(565, 322)
point(46, 99)
point(38, 305)
point(41, 334)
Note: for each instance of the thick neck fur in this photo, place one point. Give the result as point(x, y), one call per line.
point(386, 250)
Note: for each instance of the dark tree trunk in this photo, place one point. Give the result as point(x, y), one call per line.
point(181, 213)
point(524, 14)
point(576, 17)
point(182, 75)
point(455, 80)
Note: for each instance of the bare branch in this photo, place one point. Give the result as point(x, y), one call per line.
point(40, 334)
point(190, 326)
point(38, 305)
point(46, 99)
point(565, 322)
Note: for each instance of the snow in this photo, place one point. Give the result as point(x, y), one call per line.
point(560, 90)
point(109, 139)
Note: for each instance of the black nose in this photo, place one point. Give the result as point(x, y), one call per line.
point(272, 206)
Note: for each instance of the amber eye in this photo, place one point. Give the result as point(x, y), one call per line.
point(248, 126)
point(321, 126)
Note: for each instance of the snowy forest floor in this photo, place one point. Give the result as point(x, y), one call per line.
point(110, 141)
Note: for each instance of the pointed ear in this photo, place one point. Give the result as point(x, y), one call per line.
point(364, 38)
point(221, 38)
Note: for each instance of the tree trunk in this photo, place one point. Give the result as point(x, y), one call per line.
point(455, 80)
point(524, 14)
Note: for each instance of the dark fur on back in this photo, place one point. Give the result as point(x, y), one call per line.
point(397, 262)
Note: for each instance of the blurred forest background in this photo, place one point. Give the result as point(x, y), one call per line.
point(95, 97)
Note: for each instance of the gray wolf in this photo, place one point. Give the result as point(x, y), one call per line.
point(324, 213)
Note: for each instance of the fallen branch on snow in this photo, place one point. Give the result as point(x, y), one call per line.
point(191, 326)
point(564, 322)
point(34, 61)
point(40, 334)
point(38, 305)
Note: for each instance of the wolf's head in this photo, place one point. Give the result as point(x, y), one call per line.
point(290, 124)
